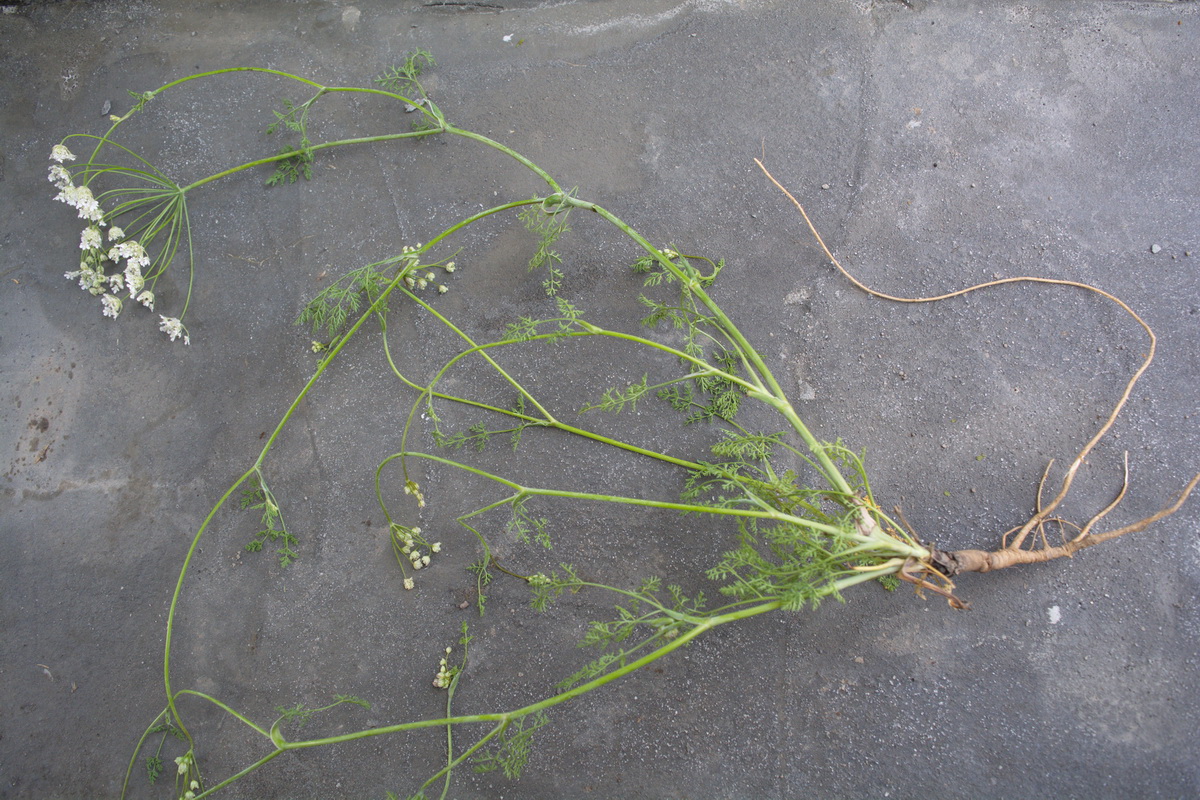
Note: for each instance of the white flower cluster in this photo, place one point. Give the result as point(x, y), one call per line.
point(410, 542)
point(184, 764)
point(411, 487)
point(77, 197)
point(445, 672)
point(91, 273)
point(173, 328)
point(416, 281)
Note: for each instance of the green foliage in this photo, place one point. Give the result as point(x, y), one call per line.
point(889, 582)
point(154, 763)
point(648, 618)
point(140, 100)
point(292, 118)
point(615, 400)
point(515, 438)
point(331, 308)
point(724, 397)
point(512, 750)
point(298, 163)
point(526, 527)
point(571, 316)
point(788, 562)
point(477, 436)
point(569, 322)
point(713, 395)
point(746, 447)
point(548, 223)
point(524, 329)
point(300, 714)
point(403, 79)
point(300, 158)
point(274, 529)
point(548, 588)
point(657, 274)
point(483, 577)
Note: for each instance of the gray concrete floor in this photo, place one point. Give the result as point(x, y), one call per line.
point(958, 141)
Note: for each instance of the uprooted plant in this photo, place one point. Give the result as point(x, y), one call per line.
point(795, 539)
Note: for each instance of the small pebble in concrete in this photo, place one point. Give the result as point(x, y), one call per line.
point(1155, 248)
point(107, 107)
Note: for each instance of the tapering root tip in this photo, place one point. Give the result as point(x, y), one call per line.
point(951, 563)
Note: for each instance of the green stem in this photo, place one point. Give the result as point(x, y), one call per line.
point(777, 516)
point(667, 648)
point(321, 367)
point(547, 419)
point(313, 148)
point(226, 708)
point(532, 167)
point(772, 394)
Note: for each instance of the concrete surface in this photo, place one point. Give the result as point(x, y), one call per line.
point(958, 141)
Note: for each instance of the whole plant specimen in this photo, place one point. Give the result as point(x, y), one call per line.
point(794, 541)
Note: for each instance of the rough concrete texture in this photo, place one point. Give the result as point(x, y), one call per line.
point(958, 141)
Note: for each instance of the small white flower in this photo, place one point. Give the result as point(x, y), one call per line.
point(81, 198)
point(90, 238)
point(425, 561)
point(437, 547)
point(146, 298)
point(131, 250)
point(116, 282)
point(449, 650)
point(115, 234)
point(409, 583)
point(443, 288)
point(133, 279)
point(90, 280)
point(422, 283)
point(416, 531)
point(450, 266)
point(59, 176)
point(60, 153)
point(194, 785)
point(112, 305)
point(173, 328)
point(417, 565)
